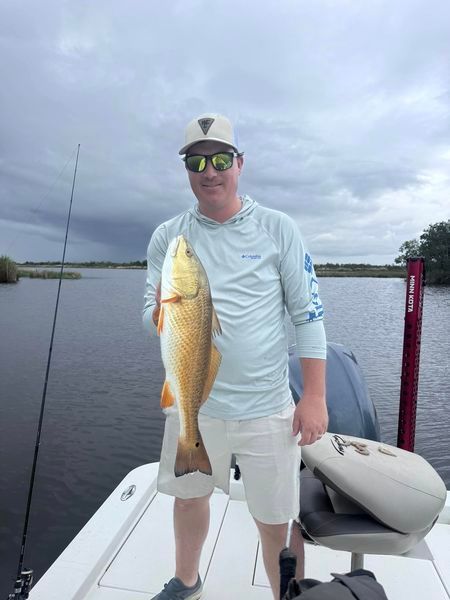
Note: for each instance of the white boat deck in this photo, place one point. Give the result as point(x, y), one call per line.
point(126, 552)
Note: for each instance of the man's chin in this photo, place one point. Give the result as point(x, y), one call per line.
point(213, 195)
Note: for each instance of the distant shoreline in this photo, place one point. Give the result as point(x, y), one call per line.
point(345, 270)
point(45, 274)
point(383, 273)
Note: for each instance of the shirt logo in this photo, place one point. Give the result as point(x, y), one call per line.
point(308, 263)
point(317, 308)
point(251, 256)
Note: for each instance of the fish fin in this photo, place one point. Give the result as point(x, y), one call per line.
point(214, 365)
point(159, 327)
point(190, 460)
point(167, 397)
point(216, 328)
point(174, 298)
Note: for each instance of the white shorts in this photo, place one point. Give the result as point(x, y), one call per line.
point(266, 452)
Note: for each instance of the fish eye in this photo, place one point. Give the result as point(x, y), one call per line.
point(188, 252)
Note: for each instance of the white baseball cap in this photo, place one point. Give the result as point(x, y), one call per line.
point(209, 126)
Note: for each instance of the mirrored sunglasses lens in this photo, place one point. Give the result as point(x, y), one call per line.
point(222, 161)
point(196, 163)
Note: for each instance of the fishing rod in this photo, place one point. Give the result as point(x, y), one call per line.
point(24, 577)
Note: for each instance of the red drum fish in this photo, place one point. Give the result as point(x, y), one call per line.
point(186, 325)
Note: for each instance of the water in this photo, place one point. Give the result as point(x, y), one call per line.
point(102, 414)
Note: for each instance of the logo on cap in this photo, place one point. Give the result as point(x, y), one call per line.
point(205, 124)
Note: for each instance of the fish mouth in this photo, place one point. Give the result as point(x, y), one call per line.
point(176, 245)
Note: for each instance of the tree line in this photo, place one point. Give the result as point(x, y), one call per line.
point(434, 246)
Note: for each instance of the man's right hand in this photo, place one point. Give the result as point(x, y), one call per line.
point(156, 310)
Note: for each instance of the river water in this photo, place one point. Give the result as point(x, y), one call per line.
point(102, 415)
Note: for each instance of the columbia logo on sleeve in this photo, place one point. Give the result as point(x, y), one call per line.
point(317, 307)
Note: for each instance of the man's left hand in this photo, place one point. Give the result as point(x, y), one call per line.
point(310, 419)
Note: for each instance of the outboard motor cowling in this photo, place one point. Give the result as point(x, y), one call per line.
point(350, 408)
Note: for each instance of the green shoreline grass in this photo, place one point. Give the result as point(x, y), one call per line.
point(44, 274)
point(346, 270)
point(51, 269)
point(384, 273)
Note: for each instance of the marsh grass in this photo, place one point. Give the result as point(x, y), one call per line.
point(44, 274)
point(383, 273)
point(8, 270)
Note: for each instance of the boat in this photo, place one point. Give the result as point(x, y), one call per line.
point(126, 550)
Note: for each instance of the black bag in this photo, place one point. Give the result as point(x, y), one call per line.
point(359, 584)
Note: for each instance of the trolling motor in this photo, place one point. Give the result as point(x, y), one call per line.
point(411, 353)
point(22, 585)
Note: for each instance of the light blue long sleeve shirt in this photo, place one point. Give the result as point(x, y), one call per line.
point(257, 268)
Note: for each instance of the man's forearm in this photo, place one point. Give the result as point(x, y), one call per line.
point(313, 370)
point(311, 414)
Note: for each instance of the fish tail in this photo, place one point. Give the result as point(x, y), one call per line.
point(191, 459)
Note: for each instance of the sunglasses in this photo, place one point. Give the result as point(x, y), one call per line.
point(221, 161)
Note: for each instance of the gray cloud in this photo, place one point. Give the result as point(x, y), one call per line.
point(342, 109)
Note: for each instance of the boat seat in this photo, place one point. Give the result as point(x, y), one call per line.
point(366, 497)
point(334, 521)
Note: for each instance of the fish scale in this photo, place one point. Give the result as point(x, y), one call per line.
point(189, 358)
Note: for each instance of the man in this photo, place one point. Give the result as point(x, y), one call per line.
point(257, 268)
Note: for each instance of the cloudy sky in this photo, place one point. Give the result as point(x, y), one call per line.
point(341, 106)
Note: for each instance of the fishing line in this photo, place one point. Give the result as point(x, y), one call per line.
point(25, 576)
point(44, 198)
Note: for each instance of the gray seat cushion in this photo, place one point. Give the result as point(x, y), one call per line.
point(353, 530)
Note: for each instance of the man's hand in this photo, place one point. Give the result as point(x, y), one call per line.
point(310, 419)
point(155, 314)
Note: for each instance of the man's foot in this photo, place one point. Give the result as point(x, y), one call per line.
point(176, 590)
